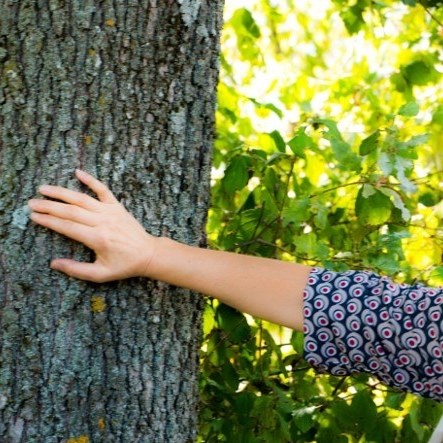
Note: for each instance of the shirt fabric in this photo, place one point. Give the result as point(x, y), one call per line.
point(358, 321)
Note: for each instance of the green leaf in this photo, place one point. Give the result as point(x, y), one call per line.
point(342, 413)
point(364, 410)
point(370, 143)
point(278, 140)
point(243, 403)
point(400, 83)
point(242, 18)
point(236, 175)
point(403, 165)
point(268, 106)
point(353, 18)
point(304, 418)
point(309, 245)
point(344, 155)
point(247, 33)
point(227, 97)
point(432, 3)
point(300, 142)
point(398, 202)
point(331, 125)
point(274, 349)
point(230, 375)
point(437, 273)
point(385, 163)
point(368, 190)
point(415, 141)
point(394, 399)
point(430, 412)
point(297, 342)
point(233, 323)
point(215, 352)
point(437, 117)
point(283, 429)
point(409, 109)
point(419, 73)
point(208, 319)
point(342, 150)
point(374, 210)
point(246, 224)
point(428, 199)
point(321, 217)
point(416, 426)
point(297, 212)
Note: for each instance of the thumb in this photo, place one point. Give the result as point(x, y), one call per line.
point(83, 271)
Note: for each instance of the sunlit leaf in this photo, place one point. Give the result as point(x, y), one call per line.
point(243, 18)
point(236, 175)
point(353, 17)
point(374, 210)
point(300, 142)
point(343, 153)
point(419, 73)
point(368, 190)
point(297, 212)
point(416, 140)
point(398, 202)
point(278, 140)
point(370, 143)
point(409, 109)
point(437, 117)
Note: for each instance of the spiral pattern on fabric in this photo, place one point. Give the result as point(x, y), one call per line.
point(358, 321)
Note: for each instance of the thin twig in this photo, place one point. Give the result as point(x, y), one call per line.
point(360, 182)
point(432, 16)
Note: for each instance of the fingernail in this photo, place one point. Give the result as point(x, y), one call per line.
point(81, 173)
point(43, 188)
point(55, 265)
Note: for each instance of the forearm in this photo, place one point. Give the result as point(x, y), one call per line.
point(269, 289)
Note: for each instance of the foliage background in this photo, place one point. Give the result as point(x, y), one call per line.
point(329, 152)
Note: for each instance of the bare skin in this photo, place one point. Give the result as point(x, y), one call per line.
point(270, 289)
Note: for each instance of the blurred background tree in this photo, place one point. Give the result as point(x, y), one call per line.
point(329, 153)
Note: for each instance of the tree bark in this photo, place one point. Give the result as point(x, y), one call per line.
point(126, 91)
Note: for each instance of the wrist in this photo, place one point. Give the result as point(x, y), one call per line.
point(157, 264)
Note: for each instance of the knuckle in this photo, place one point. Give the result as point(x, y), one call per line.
point(82, 199)
point(102, 187)
point(39, 205)
point(103, 239)
point(70, 211)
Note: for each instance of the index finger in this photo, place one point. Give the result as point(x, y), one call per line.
point(69, 196)
point(102, 191)
point(76, 231)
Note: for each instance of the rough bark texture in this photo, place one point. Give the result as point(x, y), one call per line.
point(125, 90)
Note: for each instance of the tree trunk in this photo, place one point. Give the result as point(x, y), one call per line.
point(125, 90)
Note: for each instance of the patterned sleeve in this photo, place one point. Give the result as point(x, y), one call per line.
point(357, 321)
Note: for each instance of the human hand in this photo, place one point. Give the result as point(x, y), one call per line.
point(123, 248)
